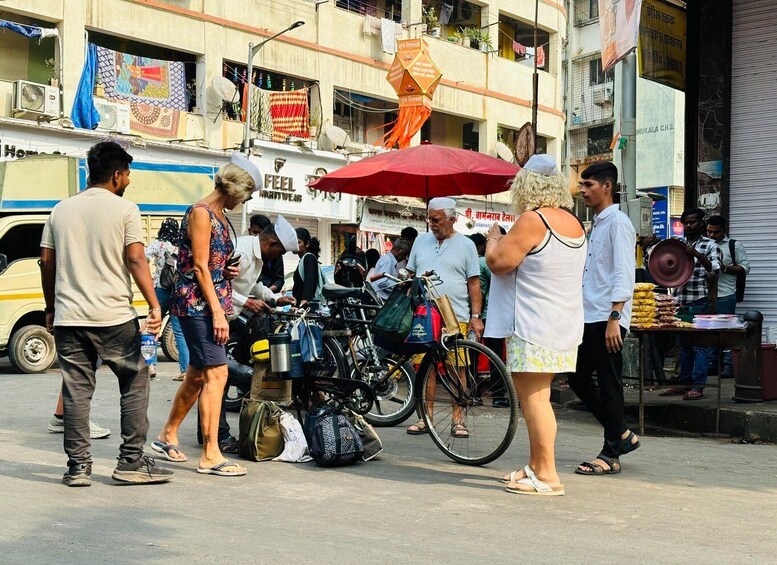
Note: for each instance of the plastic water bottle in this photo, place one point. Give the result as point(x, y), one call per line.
point(471, 335)
point(148, 347)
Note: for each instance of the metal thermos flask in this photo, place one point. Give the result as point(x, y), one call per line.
point(280, 352)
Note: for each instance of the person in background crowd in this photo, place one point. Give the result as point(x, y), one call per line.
point(163, 247)
point(409, 234)
point(388, 264)
point(308, 279)
point(203, 299)
point(734, 263)
point(250, 296)
point(536, 271)
point(495, 344)
point(57, 422)
point(272, 271)
point(608, 288)
point(454, 258)
point(372, 256)
point(91, 250)
point(695, 360)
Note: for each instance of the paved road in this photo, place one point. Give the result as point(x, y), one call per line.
point(678, 500)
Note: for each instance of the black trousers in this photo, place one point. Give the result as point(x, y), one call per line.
point(606, 400)
point(497, 345)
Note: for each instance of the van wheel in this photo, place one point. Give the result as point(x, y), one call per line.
point(32, 350)
point(169, 348)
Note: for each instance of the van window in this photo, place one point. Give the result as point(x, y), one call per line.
point(22, 242)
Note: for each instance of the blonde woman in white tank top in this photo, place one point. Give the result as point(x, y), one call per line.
point(539, 266)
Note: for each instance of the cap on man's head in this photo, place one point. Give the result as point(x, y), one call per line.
point(543, 164)
point(442, 203)
point(287, 235)
point(245, 163)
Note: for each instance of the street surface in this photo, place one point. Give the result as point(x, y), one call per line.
point(678, 500)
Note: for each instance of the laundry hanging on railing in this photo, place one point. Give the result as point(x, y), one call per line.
point(29, 31)
point(278, 114)
point(142, 79)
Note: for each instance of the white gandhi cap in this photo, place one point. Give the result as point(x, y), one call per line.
point(287, 235)
point(245, 163)
point(442, 203)
point(543, 164)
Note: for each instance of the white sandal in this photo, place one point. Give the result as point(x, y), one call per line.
point(536, 486)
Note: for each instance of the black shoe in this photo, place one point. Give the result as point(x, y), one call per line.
point(78, 475)
point(500, 403)
point(229, 445)
point(142, 471)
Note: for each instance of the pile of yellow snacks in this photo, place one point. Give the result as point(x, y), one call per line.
point(654, 310)
point(643, 306)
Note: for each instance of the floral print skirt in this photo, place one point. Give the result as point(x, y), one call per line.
point(525, 357)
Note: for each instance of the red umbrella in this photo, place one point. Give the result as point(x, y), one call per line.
point(424, 171)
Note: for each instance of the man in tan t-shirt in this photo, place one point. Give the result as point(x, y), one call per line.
point(91, 244)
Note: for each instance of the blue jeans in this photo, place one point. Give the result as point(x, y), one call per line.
point(183, 352)
point(695, 359)
point(726, 305)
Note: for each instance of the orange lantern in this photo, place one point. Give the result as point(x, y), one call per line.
point(414, 78)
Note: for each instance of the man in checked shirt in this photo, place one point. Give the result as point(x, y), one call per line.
point(695, 360)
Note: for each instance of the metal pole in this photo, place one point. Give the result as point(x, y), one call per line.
point(249, 78)
point(535, 81)
point(629, 124)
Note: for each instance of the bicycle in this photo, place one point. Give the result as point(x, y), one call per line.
point(390, 378)
point(453, 387)
point(326, 379)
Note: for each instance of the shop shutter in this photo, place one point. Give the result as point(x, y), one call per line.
point(753, 199)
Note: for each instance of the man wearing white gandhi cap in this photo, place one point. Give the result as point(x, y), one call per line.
point(455, 259)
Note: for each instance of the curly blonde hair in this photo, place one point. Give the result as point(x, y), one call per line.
point(531, 190)
point(234, 181)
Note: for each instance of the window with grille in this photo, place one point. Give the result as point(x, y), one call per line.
point(586, 12)
point(595, 73)
point(599, 139)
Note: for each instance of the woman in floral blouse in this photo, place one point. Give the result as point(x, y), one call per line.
point(202, 298)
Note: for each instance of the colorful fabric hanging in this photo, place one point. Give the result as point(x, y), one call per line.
point(142, 79)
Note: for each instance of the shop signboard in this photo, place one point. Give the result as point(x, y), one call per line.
point(661, 212)
point(287, 173)
point(391, 219)
point(662, 38)
point(480, 216)
point(677, 227)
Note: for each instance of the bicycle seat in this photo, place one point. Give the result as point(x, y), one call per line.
point(337, 291)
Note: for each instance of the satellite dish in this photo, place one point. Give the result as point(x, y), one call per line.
point(332, 138)
point(669, 264)
point(504, 153)
point(524, 144)
point(221, 90)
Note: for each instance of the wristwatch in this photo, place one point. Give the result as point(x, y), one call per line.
point(475, 316)
point(615, 315)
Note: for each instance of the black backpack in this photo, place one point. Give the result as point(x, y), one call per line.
point(169, 272)
point(257, 327)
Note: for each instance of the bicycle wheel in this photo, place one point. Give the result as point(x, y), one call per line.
point(459, 387)
point(392, 382)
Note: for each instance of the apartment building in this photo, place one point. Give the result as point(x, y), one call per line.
point(331, 71)
point(593, 111)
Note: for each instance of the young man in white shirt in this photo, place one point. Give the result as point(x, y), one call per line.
point(608, 287)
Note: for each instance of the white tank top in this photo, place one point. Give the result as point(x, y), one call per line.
point(541, 301)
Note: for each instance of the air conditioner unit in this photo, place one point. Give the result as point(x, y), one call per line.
point(33, 100)
point(113, 117)
point(363, 149)
point(602, 94)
